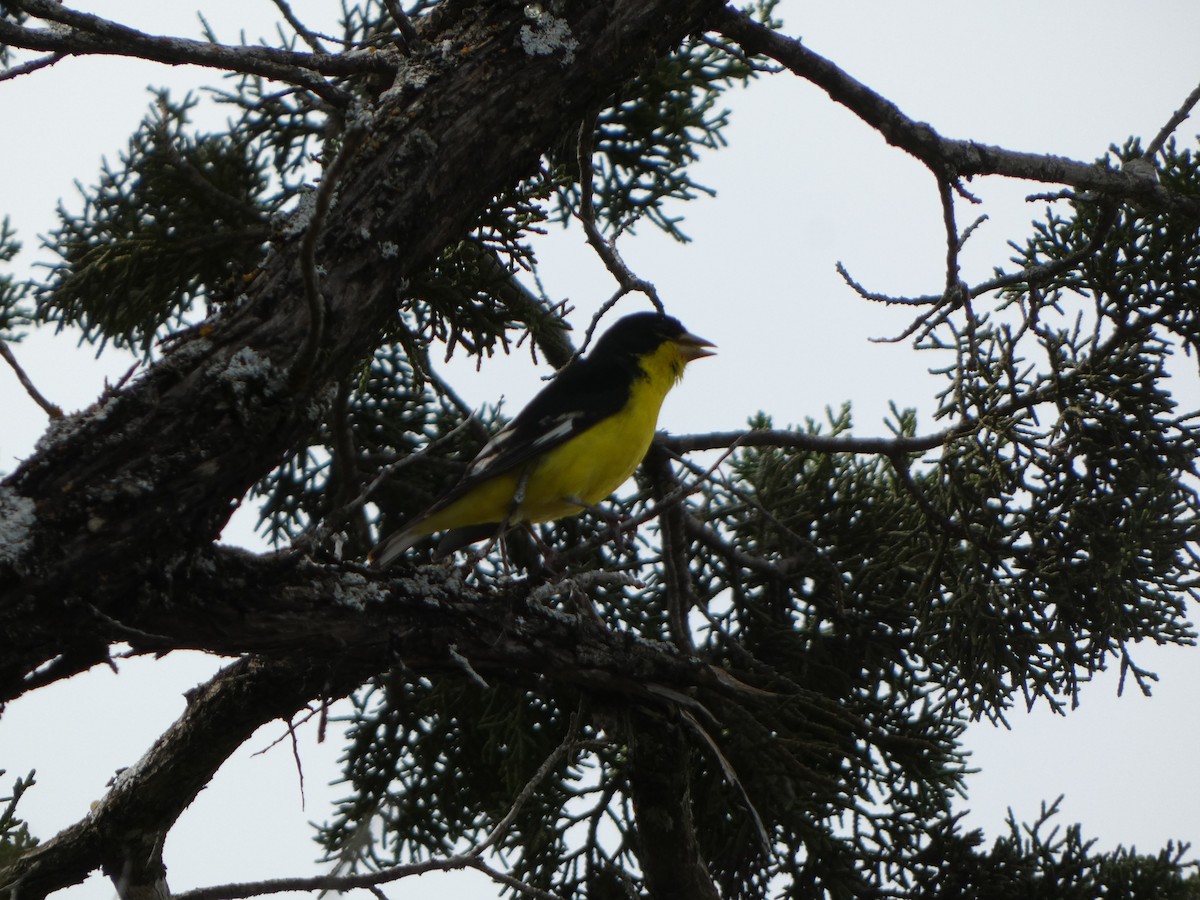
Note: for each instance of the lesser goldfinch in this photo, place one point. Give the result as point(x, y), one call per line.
point(575, 443)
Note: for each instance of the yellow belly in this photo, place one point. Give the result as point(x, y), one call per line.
point(590, 466)
point(586, 468)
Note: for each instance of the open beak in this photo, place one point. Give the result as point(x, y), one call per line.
point(693, 347)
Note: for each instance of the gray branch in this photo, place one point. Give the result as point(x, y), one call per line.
point(950, 158)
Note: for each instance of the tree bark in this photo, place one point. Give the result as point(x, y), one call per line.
point(120, 495)
point(124, 833)
point(659, 787)
point(111, 521)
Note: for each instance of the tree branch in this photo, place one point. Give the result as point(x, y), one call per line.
point(955, 158)
point(1177, 118)
point(25, 68)
point(820, 443)
point(606, 249)
point(305, 616)
point(87, 34)
point(681, 596)
point(126, 491)
point(312, 612)
point(123, 833)
point(364, 880)
point(53, 410)
point(661, 794)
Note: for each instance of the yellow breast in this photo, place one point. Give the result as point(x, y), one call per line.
point(587, 468)
point(596, 462)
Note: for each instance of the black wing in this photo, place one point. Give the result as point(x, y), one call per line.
point(582, 394)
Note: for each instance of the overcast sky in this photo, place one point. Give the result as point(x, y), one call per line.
point(802, 185)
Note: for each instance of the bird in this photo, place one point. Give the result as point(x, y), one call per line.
point(577, 441)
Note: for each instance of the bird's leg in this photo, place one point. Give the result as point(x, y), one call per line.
point(517, 500)
point(549, 557)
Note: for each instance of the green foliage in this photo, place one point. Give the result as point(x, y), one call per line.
point(467, 298)
point(877, 602)
point(178, 220)
point(385, 417)
point(1039, 861)
point(1142, 273)
point(13, 314)
point(1069, 508)
point(830, 626)
point(435, 766)
point(15, 838)
point(870, 604)
point(644, 143)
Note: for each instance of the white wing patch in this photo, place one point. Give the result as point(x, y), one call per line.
point(561, 430)
point(490, 451)
point(502, 443)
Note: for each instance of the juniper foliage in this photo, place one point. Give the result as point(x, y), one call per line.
point(870, 605)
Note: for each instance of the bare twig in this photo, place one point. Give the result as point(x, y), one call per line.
point(498, 831)
point(731, 776)
point(289, 730)
point(710, 539)
point(952, 299)
point(307, 36)
point(365, 880)
point(605, 248)
point(945, 155)
point(953, 242)
point(32, 65)
point(1177, 119)
point(1035, 275)
point(87, 34)
point(52, 410)
point(403, 24)
point(894, 446)
point(371, 881)
point(465, 665)
point(927, 300)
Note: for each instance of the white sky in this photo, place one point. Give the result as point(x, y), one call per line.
point(802, 185)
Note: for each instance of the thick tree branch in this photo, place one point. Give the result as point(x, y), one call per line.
point(946, 156)
point(125, 491)
point(123, 834)
point(304, 618)
point(659, 787)
point(305, 611)
point(231, 602)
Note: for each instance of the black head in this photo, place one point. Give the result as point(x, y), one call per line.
point(641, 333)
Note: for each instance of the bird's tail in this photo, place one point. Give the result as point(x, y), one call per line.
point(457, 538)
point(394, 545)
